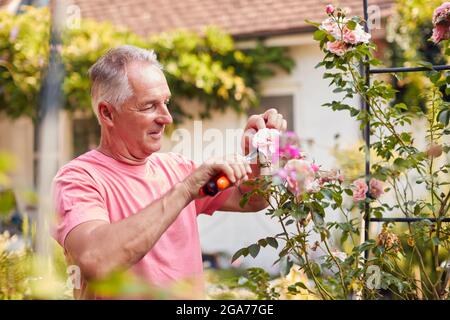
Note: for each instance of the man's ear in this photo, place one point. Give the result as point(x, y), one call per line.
point(105, 113)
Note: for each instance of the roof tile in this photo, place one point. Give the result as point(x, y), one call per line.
point(242, 18)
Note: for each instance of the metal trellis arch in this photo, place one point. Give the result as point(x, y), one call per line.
point(366, 71)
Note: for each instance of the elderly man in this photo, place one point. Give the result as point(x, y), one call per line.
point(125, 206)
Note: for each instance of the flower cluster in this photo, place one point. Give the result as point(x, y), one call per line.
point(266, 141)
point(389, 241)
point(299, 174)
point(360, 189)
point(441, 23)
point(345, 32)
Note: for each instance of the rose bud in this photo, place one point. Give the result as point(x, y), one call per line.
point(434, 151)
point(329, 9)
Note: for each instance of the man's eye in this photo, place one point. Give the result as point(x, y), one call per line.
point(148, 107)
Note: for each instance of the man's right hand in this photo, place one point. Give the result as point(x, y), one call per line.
point(234, 166)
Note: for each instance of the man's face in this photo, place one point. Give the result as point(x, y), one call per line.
point(141, 120)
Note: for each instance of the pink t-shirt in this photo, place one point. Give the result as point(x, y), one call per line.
point(97, 187)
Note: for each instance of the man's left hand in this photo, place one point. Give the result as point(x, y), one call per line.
point(270, 119)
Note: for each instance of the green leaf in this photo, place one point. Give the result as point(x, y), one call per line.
point(351, 24)
point(318, 219)
point(367, 245)
point(301, 285)
point(278, 212)
point(401, 106)
point(426, 64)
point(337, 197)
point(402, 163)
point(312, 23)
point(241, 252)
point(406, 137)
point(444, 117)
point(254, 250)
point(262, 242)
point(435, 76)
point(435, 241)
point(319, 35)
point(285, 265)
point(374, 62)
point(327, 193)
point(244, 200)
point(272, 242)
point(7, 202)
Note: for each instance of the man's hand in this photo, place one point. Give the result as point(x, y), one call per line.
point(270, 119)
point(234, 166)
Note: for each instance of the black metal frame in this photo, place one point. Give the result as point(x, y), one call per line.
point(366, 72)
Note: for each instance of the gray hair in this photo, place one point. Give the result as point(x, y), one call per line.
point(109, 74)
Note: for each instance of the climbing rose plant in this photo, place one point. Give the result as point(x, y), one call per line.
point(408, 179)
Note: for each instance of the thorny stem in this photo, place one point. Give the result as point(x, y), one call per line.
point(341, 274)
point(322, 291)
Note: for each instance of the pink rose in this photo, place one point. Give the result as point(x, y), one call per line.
point(441, 22)
point(289, 138)
point(289, 152)
point(349, 36)
point(440, 32)
point(329, 176)
point(287, 147)
point(360, 189)
point(265, 140)
point(355, 36)
point(337, 47)
point(331, 26)
point(315, 167)
point(299, 176)
point(313, 186)
point(441, 14)
point(376, 188)
point(329, 9)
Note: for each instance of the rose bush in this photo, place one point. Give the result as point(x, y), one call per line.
point(407, 179)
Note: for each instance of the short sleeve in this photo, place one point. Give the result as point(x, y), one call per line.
point(77, 199)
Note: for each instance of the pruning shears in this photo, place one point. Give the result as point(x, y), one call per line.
point(220, 182)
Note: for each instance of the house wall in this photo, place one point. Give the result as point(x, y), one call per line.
point(16, 138)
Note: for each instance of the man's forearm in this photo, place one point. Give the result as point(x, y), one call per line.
point(121, 244)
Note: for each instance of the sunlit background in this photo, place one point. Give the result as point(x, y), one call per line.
point(224, 60)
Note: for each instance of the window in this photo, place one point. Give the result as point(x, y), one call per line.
point(86, 134)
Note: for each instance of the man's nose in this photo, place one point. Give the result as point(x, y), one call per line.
point(164, 116)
